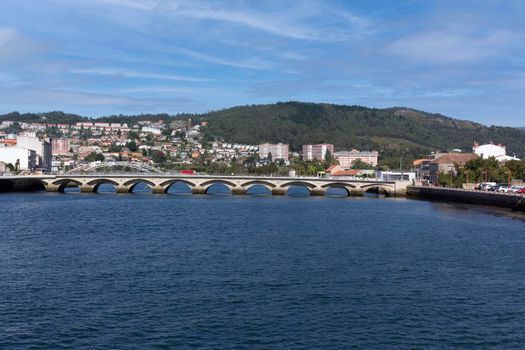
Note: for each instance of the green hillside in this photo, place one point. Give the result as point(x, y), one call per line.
point(394, 132)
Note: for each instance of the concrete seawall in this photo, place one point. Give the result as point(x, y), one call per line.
point(513, 202)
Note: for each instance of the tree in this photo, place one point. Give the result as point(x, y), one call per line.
point(133, 135)
point(328, 157)
point(359, 164)
point(132, 146)
point(94, 156)
point(158, 156)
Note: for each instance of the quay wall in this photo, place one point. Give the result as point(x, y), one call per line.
point(504, 200)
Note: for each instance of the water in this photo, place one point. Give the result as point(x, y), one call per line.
point(105, 271)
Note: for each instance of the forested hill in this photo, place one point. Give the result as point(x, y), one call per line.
point(391, 131)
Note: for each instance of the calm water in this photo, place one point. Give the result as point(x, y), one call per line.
point(139, 271)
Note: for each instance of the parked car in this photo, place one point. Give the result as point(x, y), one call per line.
point(521, 191)
point(503, 188)
point(485, 186)
point(514, 189)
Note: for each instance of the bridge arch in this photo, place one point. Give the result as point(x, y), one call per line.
point(385, 189)
point(306, 184)
point(208, 184)
point(167, 185)
point(63, 183)
point(250, 184)
point(229, 184)
point(133, 183)
point(97, 182)
point(338, 185)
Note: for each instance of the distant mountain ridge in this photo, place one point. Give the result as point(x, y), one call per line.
point(395, 132)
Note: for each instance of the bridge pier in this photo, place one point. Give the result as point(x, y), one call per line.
point(52, 188)
point(238, 190)
point(87, 188)
point(278, 191)
point(158, 190)
point(317, 191)
point(122, 189)
point(198, 190)
point(354, 192)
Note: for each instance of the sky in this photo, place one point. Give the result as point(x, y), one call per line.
point(464, 59)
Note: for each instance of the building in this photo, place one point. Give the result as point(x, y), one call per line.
point(277, 151)
point(317, 152)
point(446, 164)
point(25, 158)
point(151, 129)
point(396, 175)
point(41, 147)
point(422, 167)
point(60, 147)
point(491, 150)
point(347, 158)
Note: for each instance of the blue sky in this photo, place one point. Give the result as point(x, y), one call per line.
point(465, 59)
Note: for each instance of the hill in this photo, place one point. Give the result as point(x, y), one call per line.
point(394, 132)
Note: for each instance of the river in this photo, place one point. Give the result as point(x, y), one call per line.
point(107, 271)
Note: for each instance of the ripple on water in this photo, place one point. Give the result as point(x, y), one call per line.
point(140, 271)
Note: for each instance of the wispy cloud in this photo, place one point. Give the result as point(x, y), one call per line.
point(133, 74)
point(452, 46)
point(297, 22)
point(16, 48)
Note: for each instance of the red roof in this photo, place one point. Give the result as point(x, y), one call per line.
point(331, 167)
point(351, 172)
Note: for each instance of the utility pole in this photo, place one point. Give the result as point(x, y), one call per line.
point(401, 166)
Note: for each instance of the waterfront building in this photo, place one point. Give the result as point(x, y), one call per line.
point(41, 147)
point(317, 152)
point(277, 150)
point(446, 164)
point(27, 159)
point(396, 175)
point(347, 158)
point(491, 150)
point(60, 147)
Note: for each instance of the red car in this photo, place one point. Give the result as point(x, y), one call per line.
point(521, 190)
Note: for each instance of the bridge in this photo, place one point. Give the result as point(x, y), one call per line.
point(199, 184)
point(88, 178)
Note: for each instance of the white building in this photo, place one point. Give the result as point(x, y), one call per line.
point(26, 158)
point(278, 151)
point(151, 129)
point(395, 175)
point(41, 147)
point(491, 150)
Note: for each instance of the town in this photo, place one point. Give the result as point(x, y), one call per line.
point(181, 146)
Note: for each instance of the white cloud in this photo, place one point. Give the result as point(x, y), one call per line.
point(451, 46)
point(14, 47)
point(134, 74)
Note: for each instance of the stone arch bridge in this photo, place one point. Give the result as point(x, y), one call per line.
point(199, 184)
